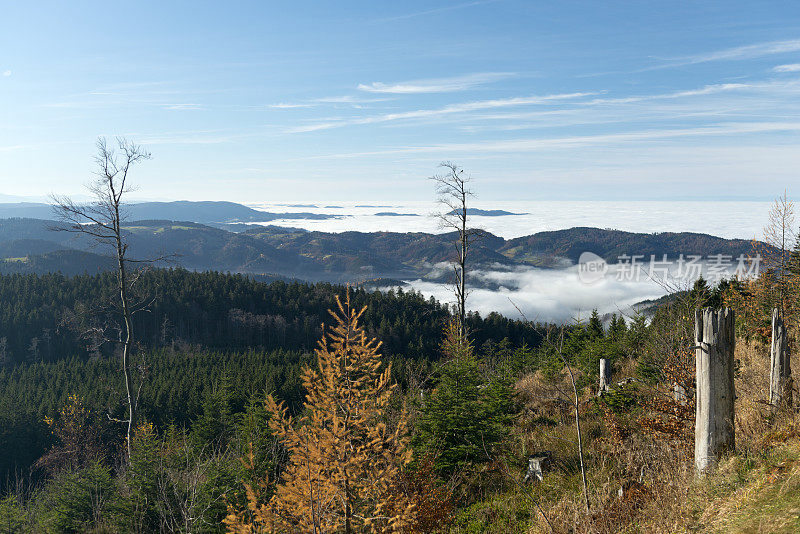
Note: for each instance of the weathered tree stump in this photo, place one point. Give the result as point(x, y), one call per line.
point(679, 394)
point(780, 377)
point(605, 376)
point(714, 421)
point(536, 463)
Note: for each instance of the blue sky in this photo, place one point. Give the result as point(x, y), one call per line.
point(260, 101)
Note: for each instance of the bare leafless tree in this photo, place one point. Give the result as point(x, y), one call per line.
point(576, 403)
point(102, 220)
point(779, 233)
point(452, 188)
point(558, 346)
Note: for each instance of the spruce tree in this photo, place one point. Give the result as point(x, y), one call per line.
point(468, 414)
point(595, 326)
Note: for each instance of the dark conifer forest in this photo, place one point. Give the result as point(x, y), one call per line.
point(202, 338)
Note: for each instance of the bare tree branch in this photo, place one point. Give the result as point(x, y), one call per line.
point(102, 220)
point(452, 189)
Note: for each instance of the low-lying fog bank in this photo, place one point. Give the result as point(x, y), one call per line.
point(728, 219)
point(558, 295)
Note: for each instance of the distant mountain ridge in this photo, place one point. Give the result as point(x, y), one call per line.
point(611, 244)
point(181, 210)
point(30, 245)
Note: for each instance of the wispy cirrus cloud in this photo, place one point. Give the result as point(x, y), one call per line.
point(183, 107)
point(199, 137)
point(348, 99)
point(792, 67)
point(758, 101)
point(435, 10)
point(9, 148)
point(737, 53)
point(437, 85)
point(710, 89)
point(614, 139)
point(352, 100)
point(573, 100)
point(446, 110)
point(7, 73)
point(775, 98)
point(289, 105)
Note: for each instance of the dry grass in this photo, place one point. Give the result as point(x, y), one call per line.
point(753, 417)
point(650, 471)
point(756, 490)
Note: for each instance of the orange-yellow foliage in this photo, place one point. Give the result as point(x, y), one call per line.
point(344, 460)
point(80, 438)
point(666, 416)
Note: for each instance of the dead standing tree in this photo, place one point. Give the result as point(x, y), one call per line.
point(452, 188)
point(780, 378)
point(101, 220)
point(715, 341)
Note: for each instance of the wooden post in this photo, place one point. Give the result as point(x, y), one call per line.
point(605, 376)
point(780, 376)
point(714, 421)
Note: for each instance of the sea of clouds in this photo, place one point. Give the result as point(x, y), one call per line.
point(724, 219)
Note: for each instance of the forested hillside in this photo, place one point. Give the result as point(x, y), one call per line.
point(611, 244)
point(51, 317)
point(476, 412)
point(31, 246)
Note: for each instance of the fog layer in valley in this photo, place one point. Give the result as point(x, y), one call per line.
point(557, 295)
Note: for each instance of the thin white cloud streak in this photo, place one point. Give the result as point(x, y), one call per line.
point(315, 102)
point(792, 67)
point(187, 137)
point(734, 54)
point(435, 10)
point(348, 99)
point(184, 107)
point(447, 110)
point(775, 87)
point(6, 73)
point(437, 85)
point(711, 89)
point(531, 145)
point(706, 90)
point(777, 97)
point(287, 105)
point(157, 94)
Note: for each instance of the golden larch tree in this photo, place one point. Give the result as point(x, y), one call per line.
point(778, 283)
point(344, 456)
